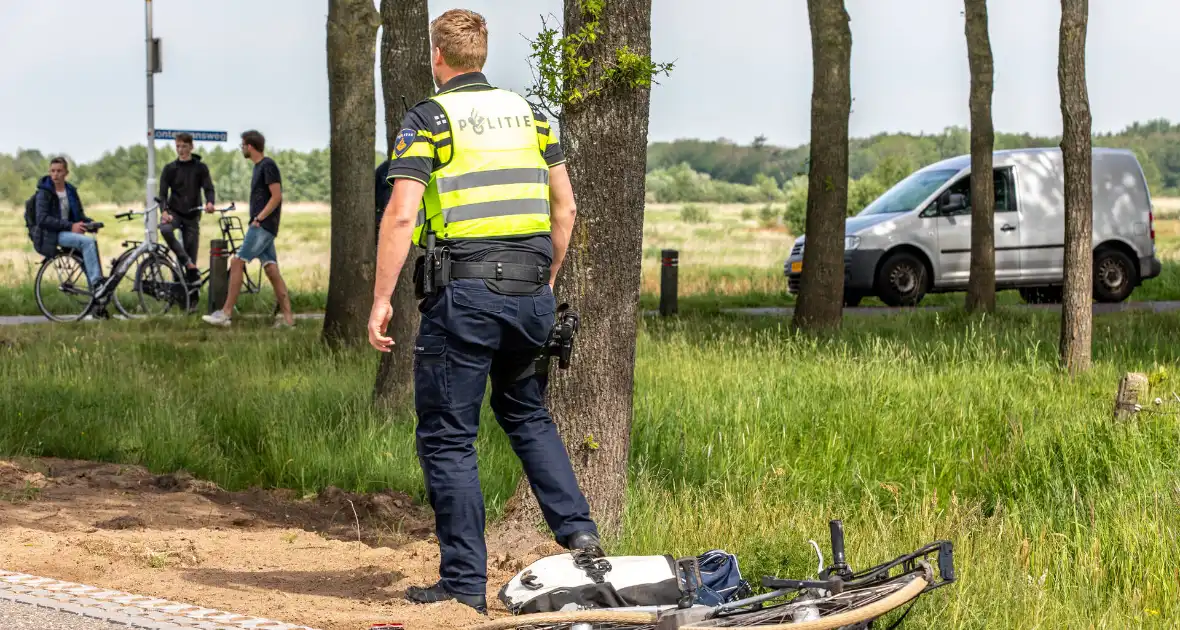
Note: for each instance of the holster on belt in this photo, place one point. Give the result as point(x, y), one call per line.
point(432, 272)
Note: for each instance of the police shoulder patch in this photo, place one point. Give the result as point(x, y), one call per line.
point(405, 138)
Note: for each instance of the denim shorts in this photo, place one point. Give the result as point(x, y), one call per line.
point(258, 244)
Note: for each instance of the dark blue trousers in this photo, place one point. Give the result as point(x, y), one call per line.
point(469, 333)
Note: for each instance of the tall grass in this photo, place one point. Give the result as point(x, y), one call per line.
point(746, 437)
point(915, 428)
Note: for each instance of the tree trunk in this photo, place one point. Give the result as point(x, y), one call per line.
point(352, 31)
point(405, 71)
point(821, 292)
point(605, 140)
point(981, 288)
point(1077, 301)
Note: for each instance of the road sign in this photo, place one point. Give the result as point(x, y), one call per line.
point(198, 136)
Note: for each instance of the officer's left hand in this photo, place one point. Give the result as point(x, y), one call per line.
point(378, 322)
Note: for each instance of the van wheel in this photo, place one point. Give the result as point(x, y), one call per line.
point(1115, 276)
point(903, 280)
point(1040, 295)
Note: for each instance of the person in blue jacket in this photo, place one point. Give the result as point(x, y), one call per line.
point(61, 222)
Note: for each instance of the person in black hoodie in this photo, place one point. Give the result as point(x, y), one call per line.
point(181, 184)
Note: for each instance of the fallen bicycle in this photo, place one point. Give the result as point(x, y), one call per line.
point(576, 592)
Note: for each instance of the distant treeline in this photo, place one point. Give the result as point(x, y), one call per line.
point(118, 176)
point(727, 172)
point(717, 171)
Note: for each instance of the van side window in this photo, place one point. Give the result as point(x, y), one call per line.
point(1004, 186)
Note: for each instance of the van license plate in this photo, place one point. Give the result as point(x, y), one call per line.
point(797, 266)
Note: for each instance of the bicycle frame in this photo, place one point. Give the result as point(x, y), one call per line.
point(147, 245)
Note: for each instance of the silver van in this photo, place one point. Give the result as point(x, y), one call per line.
point(916, 238)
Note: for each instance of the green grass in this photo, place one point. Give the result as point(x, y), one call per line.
point(910, 428)
point(727, 259)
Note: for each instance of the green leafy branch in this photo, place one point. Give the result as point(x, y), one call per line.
point(563, 75)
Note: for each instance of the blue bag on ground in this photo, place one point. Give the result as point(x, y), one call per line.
point(721, 579)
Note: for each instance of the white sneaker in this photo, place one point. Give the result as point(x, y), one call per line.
point(281, 323)
point(218, 318)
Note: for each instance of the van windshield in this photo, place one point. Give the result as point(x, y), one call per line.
point(908, 193)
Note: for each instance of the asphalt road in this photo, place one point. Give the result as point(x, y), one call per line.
point(17, 616)
point(16, 320)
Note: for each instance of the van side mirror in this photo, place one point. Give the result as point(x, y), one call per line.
point(951, 203)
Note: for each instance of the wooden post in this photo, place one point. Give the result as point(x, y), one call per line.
point(669, 263)
point(1133, 388)
point(218, 273)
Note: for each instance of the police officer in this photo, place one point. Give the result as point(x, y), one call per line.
point(478, 170)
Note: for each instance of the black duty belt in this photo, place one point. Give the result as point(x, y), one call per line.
point(499, 271)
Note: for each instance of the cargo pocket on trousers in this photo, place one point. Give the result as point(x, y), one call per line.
point(544, 303)
point(431, 382)
point(477, 297)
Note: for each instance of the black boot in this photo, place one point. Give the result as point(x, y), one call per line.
point(585, 541)
point(436, 593)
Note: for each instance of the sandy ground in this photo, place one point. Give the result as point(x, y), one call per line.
point(334, 561)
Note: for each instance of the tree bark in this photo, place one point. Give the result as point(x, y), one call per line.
point(821, 292)
point(405, 71)
point(1076, 154)
point(352, 31)
point(981, 287)
point(605, 140)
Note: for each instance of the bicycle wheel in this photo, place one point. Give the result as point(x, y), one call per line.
point(574, 620)
point(62, 288)
point(126, 298)
point(160, 285)
point(849, 608)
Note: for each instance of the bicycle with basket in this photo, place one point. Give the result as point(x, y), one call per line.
point(232, 233)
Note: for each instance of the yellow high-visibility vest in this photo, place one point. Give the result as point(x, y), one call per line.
point(494, 180)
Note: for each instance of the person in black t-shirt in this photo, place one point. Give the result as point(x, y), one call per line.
point(266, 205)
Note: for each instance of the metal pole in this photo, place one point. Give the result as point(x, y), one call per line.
point(152, 220)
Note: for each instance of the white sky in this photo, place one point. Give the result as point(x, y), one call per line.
point(72, 74)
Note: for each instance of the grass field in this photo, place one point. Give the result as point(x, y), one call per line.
point(910, 428)
point(729, 259)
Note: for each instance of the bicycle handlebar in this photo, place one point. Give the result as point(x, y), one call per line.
point(836, 529)
point(131, 213)
point(230, 208)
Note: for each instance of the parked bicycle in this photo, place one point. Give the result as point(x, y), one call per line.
point(64, 295)
point(158, 286)
point(233, 234)
point(841, 598)
point(62, 288)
